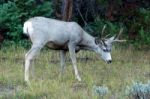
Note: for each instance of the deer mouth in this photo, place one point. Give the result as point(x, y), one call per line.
point(108, 61)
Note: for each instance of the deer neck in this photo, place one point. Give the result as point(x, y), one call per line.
point(88, 42)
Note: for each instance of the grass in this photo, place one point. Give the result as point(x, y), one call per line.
point(128, 65)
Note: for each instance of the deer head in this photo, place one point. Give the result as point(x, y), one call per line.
point(105, 45)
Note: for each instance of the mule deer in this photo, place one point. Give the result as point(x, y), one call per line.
point(63, 36)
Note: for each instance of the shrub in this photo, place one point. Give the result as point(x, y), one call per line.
point(139, 90)
point(101, 91)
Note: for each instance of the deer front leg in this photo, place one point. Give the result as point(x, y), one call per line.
point(73, 58)
point(62, 61)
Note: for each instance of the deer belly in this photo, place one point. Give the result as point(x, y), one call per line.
point(55, 46)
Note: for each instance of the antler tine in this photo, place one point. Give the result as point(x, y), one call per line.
point(120, 32)
point(103, 29)
point(120, 40)
point(117, 38)
point(107, 35)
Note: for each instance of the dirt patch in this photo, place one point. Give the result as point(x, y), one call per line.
point(6, 90)
point(79, 86)
point(9, 90)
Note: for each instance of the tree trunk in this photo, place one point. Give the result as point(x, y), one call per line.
point(110, 9)
point(1, 35)
point(57, 8)
point(67, 6)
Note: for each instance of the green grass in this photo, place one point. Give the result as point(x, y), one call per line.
point(128, 65)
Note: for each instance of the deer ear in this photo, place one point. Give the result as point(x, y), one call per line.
point(111, 39)
point(97, 41)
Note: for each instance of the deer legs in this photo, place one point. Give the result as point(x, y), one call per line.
point(35, 49)
point(62, 61)
point(28, 59)
point(73, 58)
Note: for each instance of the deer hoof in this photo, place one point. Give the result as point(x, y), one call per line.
point(78, 78)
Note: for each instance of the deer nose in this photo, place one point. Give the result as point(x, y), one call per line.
point(109, 61)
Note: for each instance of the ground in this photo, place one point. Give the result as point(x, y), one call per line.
point(128, 65)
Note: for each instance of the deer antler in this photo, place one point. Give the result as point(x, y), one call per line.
point(103, 29)
point(117, 37)
point(120, 32)
point(116, 40)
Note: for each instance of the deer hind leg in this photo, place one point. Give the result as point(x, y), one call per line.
point(35, 49)
point(73, 58)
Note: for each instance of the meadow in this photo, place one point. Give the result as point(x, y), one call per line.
point(128, 65)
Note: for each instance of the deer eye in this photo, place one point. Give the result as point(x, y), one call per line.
point(107, 50)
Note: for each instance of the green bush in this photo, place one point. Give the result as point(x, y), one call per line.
point(112, 28)
point(144, 30)
point(139, 26)
point(14, 13)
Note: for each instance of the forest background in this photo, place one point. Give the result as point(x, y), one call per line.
point(92, 15)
